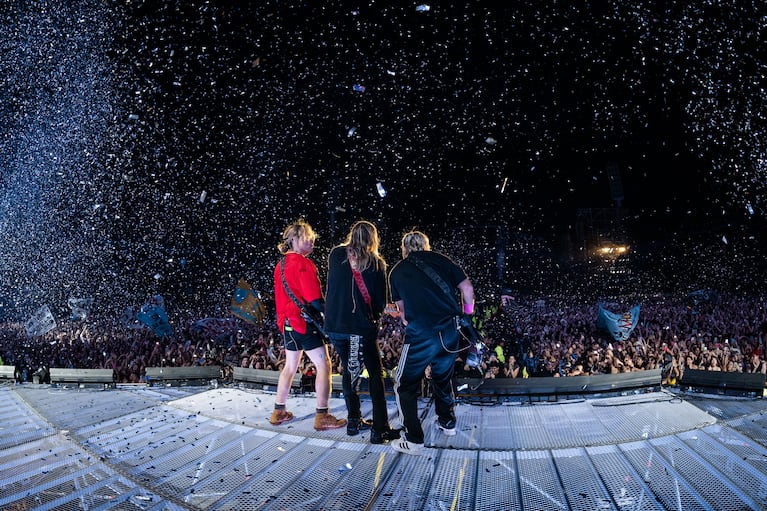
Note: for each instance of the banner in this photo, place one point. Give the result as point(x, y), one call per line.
point(246, 303)
point(41, 322)
point(128, 319)
point(153, 315)
point(619, 326)
point(81, 308)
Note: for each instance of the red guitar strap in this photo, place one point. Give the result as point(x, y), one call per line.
point(362, 287)
point(360, 282)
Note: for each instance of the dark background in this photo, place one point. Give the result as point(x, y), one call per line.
point(161, 147)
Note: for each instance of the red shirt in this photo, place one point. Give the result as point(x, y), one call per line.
point(304, 281)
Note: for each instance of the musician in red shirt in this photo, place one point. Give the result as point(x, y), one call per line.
point(297, 287)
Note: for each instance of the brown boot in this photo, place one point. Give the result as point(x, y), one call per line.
point(323, 421)
point(280, 416)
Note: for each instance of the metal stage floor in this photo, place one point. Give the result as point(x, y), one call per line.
point(179, 448)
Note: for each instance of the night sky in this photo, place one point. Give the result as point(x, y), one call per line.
point(161, 147)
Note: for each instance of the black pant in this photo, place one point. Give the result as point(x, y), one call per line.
point(354, 351)
point(440, 351)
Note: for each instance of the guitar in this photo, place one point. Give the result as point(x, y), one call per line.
point(314, 318)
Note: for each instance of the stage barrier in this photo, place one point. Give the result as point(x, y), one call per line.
point(186, 375)
point(725, 383)
point(266, 379)
point(552, 388)
point(83, 377)
point(7, 373)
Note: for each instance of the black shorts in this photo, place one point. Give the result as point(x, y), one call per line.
point(295, 341)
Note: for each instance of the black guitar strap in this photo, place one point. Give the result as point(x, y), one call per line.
point(429, 271)
point(470, 336)
point(301, 306)
point(308, 317)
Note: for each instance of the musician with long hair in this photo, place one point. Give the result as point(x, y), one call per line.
point(297, 286)
point(355, 300)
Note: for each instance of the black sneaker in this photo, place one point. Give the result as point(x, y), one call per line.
point(354, 426)
point(382, 438)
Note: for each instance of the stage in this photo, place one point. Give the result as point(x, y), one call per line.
point(212, 447)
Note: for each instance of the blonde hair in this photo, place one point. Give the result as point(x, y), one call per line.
point(362, 244)
point(300, 229)
point(414, 241)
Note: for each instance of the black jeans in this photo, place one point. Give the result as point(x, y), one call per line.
point(440, 351)
point(354, 351)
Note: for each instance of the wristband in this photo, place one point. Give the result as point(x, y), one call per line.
point(468, 308)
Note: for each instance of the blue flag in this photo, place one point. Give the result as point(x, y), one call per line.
point(246, 303)
point(153, 315)
point(620, 326)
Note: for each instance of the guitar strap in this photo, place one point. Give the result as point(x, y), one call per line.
point(429, 271)
point(308, 317)
point(355, 363)
point(360, 282)
point(301, 306)
point(471, 338)
point(357, 275)
point(363, 288)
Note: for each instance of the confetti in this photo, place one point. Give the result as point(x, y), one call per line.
point(121, 132)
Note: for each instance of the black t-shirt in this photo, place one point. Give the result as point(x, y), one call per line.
point(428, 309)
point(345, 309)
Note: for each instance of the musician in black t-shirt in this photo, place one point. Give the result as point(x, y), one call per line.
point(425, 286)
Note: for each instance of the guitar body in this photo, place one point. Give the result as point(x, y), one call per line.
point(315, 319)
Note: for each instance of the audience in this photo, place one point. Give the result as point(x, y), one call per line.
point(548, 336)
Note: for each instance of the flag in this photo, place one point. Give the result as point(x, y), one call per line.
point(246, 303)
point(153, 315)
point(81, 308)
point(219, 330)
point(129, 320)
point(41, 322)
point(619, 326)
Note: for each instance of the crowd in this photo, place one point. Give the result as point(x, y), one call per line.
point(558, 338)
point(548, 336)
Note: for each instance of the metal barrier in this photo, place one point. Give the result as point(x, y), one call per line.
point(83, 377)
point(265, 378)
point(187, 375)
point(7, 373)
point(726, 383)
point(552, 388)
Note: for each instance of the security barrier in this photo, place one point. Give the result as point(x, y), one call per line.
point(267, 379)
point(552, 388)
point(83, 377)
point(731, 384)
point(187, 375)
point(7, 373)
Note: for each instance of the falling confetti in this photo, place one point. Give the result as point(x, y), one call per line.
point(135, 142)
